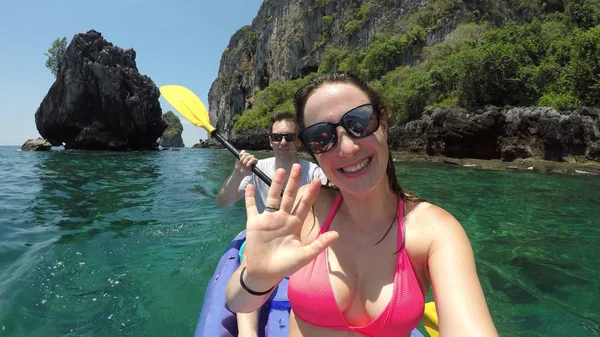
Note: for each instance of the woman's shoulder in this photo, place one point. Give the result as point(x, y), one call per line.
point(429, 222)
point(426, 213)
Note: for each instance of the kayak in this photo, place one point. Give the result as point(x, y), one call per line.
point(216, 320)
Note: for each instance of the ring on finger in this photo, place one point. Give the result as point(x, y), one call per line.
point(271, 208)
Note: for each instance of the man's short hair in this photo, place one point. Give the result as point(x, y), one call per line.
point(283, 115)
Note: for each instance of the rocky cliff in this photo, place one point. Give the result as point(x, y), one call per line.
point(505, 133)
point(290, 39)
point(100, 101)
point(287, 40)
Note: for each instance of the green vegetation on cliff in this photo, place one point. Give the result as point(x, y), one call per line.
point(56, 55)
point(549, 55)
point(174, 125)
point(276, 97)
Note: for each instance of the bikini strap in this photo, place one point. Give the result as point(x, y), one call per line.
point(334, 209)
point(401, 225)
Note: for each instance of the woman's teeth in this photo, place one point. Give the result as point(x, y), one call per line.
point(352, 169)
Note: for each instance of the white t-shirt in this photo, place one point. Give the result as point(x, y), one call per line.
point(310, 171)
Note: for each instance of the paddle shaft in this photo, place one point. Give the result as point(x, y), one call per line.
point(233, 150)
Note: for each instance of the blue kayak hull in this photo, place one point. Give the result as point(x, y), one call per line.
point(216, 320)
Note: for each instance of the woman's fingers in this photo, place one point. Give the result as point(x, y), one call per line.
point(320, 244)
point(251, 210)
point(308, 199)
point(291, 189)
point(272, 199)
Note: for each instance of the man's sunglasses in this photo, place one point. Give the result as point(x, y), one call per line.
point(277, 137)
point(359, 122)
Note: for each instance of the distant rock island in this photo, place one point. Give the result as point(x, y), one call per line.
point(100, 101)
point(172, 135)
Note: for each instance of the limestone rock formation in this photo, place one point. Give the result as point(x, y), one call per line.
point(252, 140)
point(209, 143)
point(257, 139)
point(593, 151)
point(172, 135)
point(39, 144)
point(100, 101)
point(503, 133)
point(287, 40)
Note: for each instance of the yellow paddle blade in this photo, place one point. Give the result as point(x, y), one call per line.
point(430, 320)
point(188, 104)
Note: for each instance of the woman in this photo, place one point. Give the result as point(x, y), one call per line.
point(362, 256)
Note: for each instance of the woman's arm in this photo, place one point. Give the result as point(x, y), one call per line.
point(239, 300)
point(247, 324)
point(461, 306)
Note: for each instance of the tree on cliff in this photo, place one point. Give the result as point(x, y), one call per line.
point(56, 55)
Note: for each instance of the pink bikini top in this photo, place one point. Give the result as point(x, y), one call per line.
point(312, 299)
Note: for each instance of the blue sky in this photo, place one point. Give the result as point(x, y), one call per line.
point(177, 42)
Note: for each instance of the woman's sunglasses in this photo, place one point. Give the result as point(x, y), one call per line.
point(359, 122)
point(277, 137)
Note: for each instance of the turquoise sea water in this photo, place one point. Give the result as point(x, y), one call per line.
point(123, 244)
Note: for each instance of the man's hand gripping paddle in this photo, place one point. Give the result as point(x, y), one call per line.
point(192, 108)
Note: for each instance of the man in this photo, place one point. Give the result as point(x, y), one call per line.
point(285, 144)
